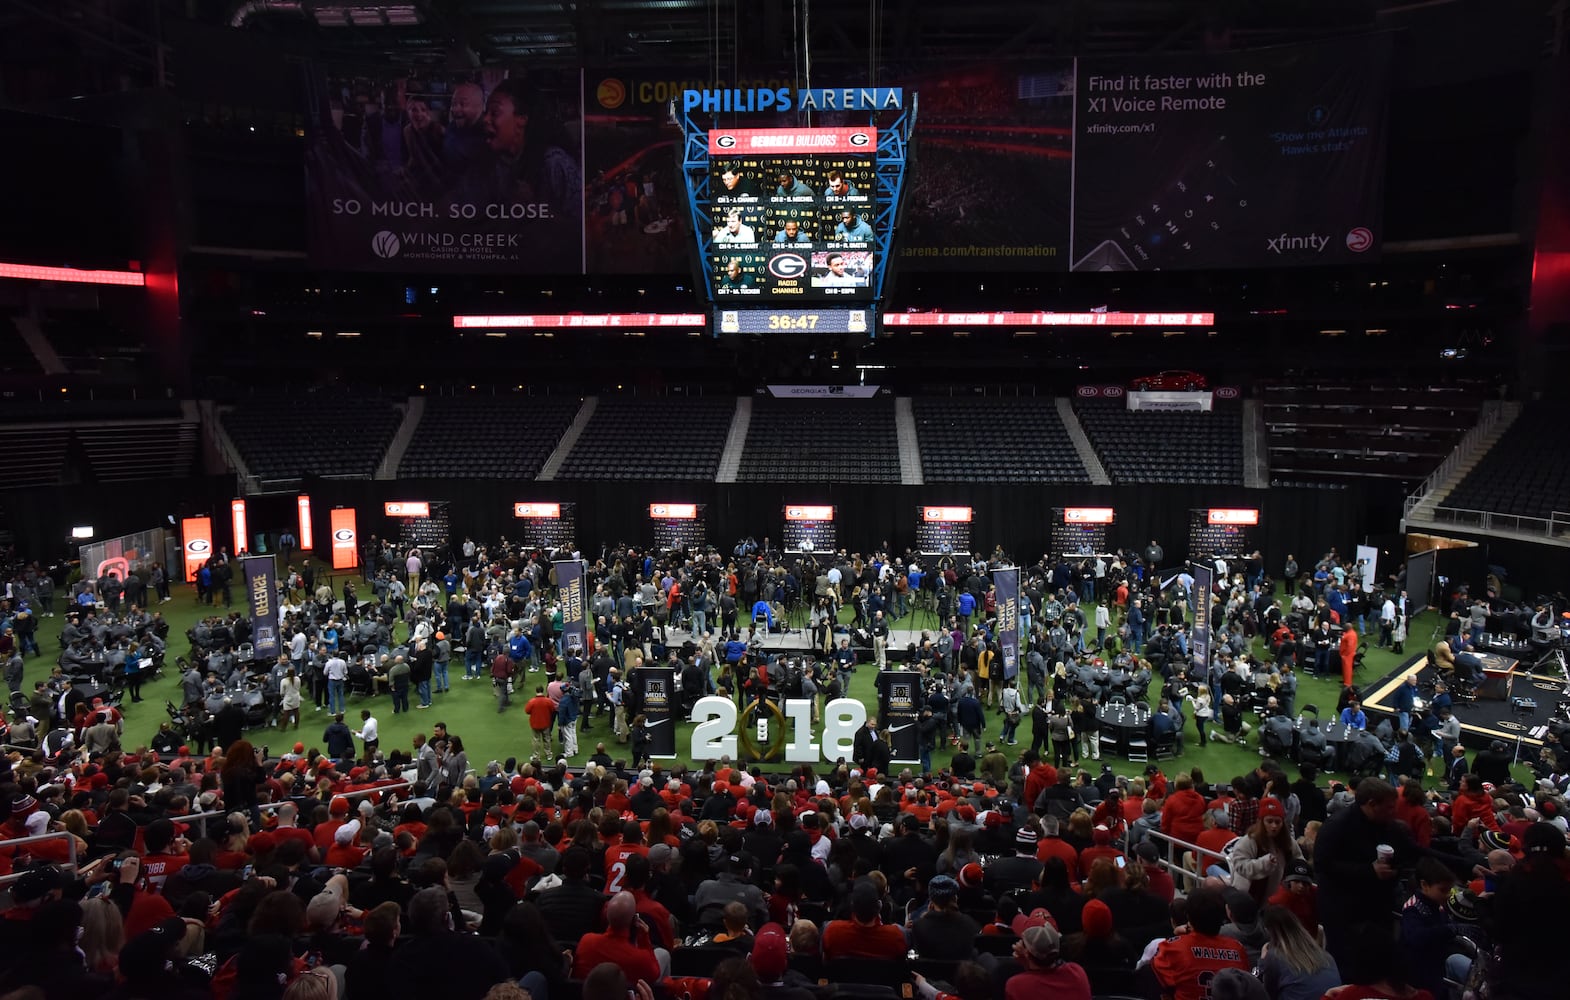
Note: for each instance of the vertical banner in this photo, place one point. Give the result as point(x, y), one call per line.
point(899, 709)
point(574, 608)
point(1368, 563)
point(1007, 583)
point(196, 534)
point(237, 521)
point(1199, 599)
point(260, 574)
point(657, 698)
point(346, 542)
point(307, 539)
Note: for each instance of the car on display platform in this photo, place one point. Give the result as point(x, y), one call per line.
point(1170, 381)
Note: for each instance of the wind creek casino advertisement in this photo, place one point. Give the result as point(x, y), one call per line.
point(461, 172)
point(1270, 157)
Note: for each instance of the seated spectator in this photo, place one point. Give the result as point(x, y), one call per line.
point(1185, 963)
point(943, 932)
point(625, 942)
point(1098, 945)
point(864, 935)
point(573, 908)
point(735, 933)
point(439, 961)
point(1292, 965)
point(1044, 974)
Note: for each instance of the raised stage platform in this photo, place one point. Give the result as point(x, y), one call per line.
point(1493, 715)
point(799, 640)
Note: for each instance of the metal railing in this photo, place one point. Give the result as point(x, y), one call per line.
point(1489, 416)
point(1175, 849)
point(1557, 524)
point(70, 842)
point(200, 819)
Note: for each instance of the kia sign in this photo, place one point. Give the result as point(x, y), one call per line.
point(803, 513)
point(197, 535)
point(407, 508)
point(945, 515)
point(1228, 392)
point(544, 510)
point(1089, 515)
point(1233, 515)
point(673, 511)
point(346, 549)
point(791, 141)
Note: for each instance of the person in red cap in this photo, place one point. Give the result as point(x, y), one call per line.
point(337, 815)
point(1263, 854)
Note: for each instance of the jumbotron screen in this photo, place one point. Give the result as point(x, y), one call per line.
point(788, 225)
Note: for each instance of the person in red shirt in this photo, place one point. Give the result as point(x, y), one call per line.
point(165, 854)
point(542, 713)
point(625, 943)
point(1134, 801)
point(1183, 812)
point(1044, 975)
point(1473, 802)
point(337, 815)
point(655, 916)
point(346, 851)
point(865, 935)
point(616, 857)
point(1412, 809)
point(1299, 895)
point(1053, 846)
point(1186, 962)
point(1101, 847)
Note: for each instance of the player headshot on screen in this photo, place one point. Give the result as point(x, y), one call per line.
point(852, 228)
point(787, 185)
point(736, 185)
point(837, 278)
point(733, 231)
point(792, 233)
point(839, 187)
point(735, 277)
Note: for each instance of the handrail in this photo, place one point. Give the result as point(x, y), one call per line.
point(1487, 520)
point(1175, 849)
point(70, 842)
point(1489, 415)
point(201, 818)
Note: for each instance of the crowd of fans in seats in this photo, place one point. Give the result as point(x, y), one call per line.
point(233, 876)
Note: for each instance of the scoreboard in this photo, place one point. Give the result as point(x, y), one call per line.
point(794, 222)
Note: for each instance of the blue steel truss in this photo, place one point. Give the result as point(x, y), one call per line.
point(894, 149)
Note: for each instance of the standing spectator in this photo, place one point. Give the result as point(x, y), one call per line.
point(414, 564)
point(502, 670)
point(542, 715)
point(289, 700)
point(1355, 880)
point(368, 734)
point(337, 669)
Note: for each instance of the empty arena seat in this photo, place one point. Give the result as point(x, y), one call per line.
point(954, 434)
point(103, 441)
point(652, 438)
point(487, 437)
point(844, 441)
point(1137, 446)
point(287, 437)
point(1526, 472)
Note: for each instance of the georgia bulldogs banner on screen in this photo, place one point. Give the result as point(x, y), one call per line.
point(197, 536)
point(467, 172)
point(346, 543)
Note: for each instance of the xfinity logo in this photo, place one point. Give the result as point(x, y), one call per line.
point(1283, 243)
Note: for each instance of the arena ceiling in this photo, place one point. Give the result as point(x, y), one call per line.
point(136, 37)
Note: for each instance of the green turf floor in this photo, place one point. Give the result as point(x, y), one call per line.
point(469, 709)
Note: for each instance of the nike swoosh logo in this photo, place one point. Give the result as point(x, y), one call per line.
point(894, 729)
point(657, 722)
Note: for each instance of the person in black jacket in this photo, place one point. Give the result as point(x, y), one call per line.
point(1353, 880)
point(439, 961)
point(572, 909)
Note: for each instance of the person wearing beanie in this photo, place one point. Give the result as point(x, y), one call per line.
point(1263, 854)
point(1019, 872)
point(944, 932)
point(1100, 948)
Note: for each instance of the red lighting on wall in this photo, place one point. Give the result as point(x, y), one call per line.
point(801, 513)
point(630, 321)
point(673, 511)
point(1233, 515)
point(32, 272)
